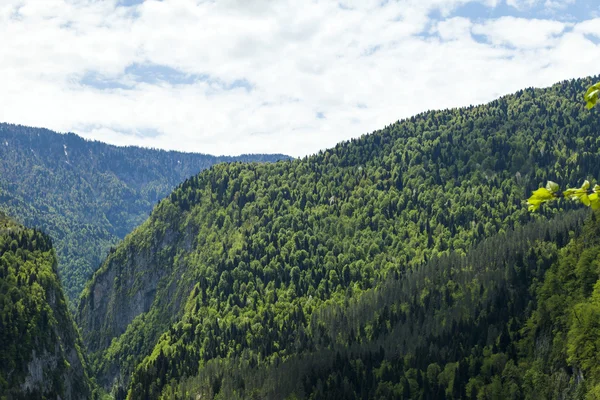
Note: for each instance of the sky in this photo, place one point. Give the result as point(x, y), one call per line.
point(275, 76)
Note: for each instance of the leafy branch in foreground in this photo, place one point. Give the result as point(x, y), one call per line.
point(552, 192)
point(591, 95)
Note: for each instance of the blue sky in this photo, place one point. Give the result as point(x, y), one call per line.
point(561, 10)
point(234, 76)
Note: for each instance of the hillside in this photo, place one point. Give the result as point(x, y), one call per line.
point(448, 329)
point(236, 265)
point(87, 195)
point(41, 354)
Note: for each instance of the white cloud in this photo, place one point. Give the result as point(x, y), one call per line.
point(522, 4)
point(558, 4)
point(359, 65)
point(458, 28)
point(589, 27)
point(521, 33)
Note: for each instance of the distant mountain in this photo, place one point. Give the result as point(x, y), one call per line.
point(40, 347)
point(402, 264)
point(88, 195)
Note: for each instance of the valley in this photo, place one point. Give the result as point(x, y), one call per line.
point(402, 264)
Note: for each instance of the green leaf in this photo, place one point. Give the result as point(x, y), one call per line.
point(586, 185)
point(540, 196)
point(591, 95)
point(585, 199)
point(569, 193)
point(580, 194)
point(594, 201)
point(552, 187)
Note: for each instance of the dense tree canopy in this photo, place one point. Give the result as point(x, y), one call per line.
point(583, 194)
point(40, 347)
point(247, 265)
point(87, 195)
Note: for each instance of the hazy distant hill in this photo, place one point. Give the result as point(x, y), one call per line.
point(87, 195)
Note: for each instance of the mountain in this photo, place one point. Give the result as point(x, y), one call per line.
point(244, 268)
point(447, 329)
point(41, 350)
point(88, 195)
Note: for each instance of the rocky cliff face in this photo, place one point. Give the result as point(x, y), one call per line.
point(41, 353)
point(88, 195)
point(145, 269)
point(125, 290)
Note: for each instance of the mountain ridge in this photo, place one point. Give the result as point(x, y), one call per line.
point(261, 246)
point(132, 146)
point(87, 194)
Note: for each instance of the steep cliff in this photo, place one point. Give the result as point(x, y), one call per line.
point(242, 257)
point(88, 195)
point(143, 282)
point(41, 354)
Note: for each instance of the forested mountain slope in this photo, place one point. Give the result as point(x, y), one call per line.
point(87, 195)
point(517, 318)
point(40, 352)
point(450, 328)
point(237, 264)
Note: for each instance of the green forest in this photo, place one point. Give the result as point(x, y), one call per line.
point(403, 264)
point(87, 195)
point(42, 354)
